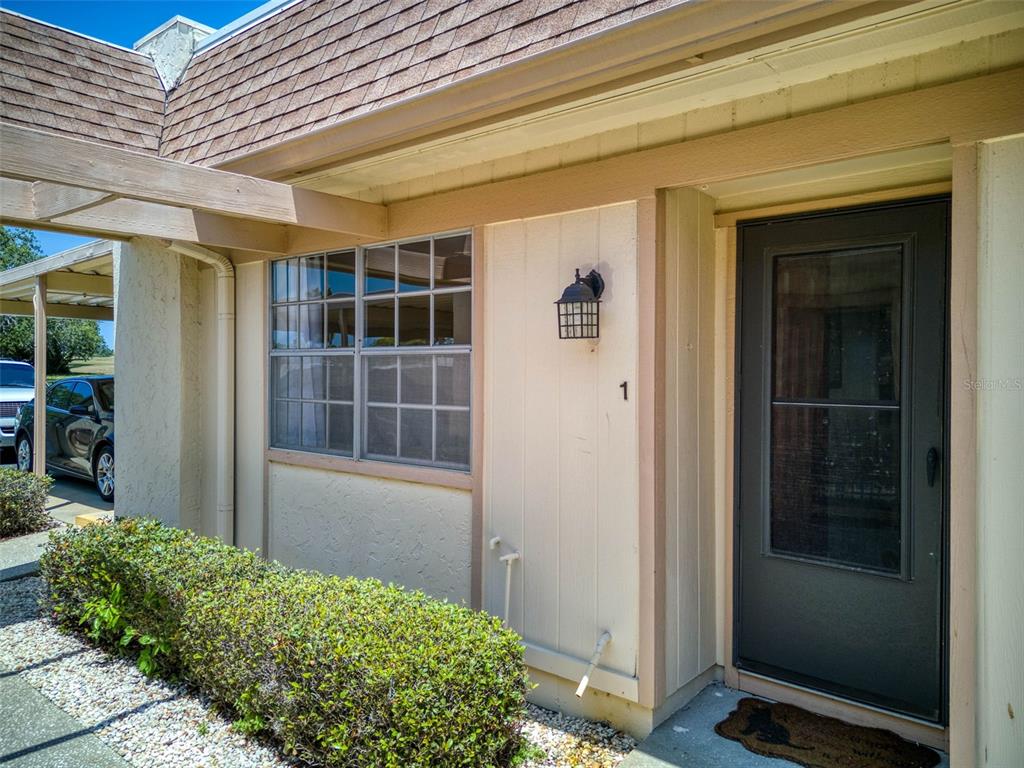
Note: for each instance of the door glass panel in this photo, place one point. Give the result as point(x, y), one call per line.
point(835, 419)
point(837, 325)
point(835, 491)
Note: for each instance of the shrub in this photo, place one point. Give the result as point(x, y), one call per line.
point(341, 671)
point(23, 502)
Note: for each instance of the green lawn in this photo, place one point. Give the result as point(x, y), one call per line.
point(94, 365)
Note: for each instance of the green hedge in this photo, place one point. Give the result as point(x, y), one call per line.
point(23, 502)
point(342, 672)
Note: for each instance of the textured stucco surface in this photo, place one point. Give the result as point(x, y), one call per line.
point(158, 466)
point(407, 533)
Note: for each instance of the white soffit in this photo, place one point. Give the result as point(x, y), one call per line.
point(902, 33)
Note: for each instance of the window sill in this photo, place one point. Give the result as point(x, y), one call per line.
point(406, 472)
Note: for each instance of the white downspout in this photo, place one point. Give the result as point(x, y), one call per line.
point(225, 386)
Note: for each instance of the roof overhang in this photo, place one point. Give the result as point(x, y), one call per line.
point(79, 284)
point(684, 36)
point(49, 181)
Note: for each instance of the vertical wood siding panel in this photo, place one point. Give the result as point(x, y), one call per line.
point(706, 432)
point(541, 438)
point(504, 381)
point(691, 605)
point(577, 462)
point(722, 478)
point(689, 449)
point(672, 619)
point(560, 443)
point(617, 471)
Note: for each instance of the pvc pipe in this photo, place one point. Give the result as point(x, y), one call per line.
point(602, 641)
point(508, 560)
point(225, 386)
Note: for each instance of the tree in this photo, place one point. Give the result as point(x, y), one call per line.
point(66, 340)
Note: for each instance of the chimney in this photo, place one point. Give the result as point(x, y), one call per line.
point(171, 46)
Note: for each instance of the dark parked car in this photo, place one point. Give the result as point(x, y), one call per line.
point(79, 431)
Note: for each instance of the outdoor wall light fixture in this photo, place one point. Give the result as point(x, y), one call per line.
point(580, 307)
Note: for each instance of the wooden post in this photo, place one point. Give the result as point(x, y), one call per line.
point(39, 416)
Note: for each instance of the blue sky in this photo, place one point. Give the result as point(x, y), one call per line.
point(125, 21)
point(121, 22)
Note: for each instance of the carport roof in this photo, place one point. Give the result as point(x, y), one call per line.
point(79, 283)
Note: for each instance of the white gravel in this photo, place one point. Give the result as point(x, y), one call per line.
point(573, 741)
point(150, 723)
point(153, 724)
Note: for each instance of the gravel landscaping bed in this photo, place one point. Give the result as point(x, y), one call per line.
point(153, 724)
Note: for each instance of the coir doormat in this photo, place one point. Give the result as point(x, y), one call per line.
point(791, 733)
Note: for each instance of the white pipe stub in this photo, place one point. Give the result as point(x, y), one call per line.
point(602, 641)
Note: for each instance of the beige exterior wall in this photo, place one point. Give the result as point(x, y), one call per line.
point(411, 534)
point(560, 442)
point(691, 626)
point(1000, 414)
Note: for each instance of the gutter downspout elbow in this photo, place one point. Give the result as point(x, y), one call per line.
point(225, 386)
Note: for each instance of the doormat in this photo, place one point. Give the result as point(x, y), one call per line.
point(792, 733)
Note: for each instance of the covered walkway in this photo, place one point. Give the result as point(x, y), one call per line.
point(77, 283)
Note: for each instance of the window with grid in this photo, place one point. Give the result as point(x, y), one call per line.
point(370, 352)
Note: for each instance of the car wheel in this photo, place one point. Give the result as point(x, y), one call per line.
point(103, 473)
point(24, 454)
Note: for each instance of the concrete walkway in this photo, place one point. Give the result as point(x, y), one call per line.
point(36, 733)
point(68, 497)
point(688, 738)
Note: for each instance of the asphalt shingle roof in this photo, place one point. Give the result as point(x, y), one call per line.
point(72, 85)
point(306, 67)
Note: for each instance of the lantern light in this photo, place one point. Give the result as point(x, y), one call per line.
point(580, 306)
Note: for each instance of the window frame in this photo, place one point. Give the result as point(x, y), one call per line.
point(358, 353)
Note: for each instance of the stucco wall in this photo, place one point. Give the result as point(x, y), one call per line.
point(1000, 399)
point(560, 441)
point(353, 525)
point(158, 362)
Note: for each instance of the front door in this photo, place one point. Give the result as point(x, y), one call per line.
point(841, 450)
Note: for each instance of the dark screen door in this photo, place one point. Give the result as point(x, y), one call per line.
point(841, 450)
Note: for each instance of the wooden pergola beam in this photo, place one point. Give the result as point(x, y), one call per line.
point(38, 156)
point(75, 311)
point(122, 218)
point(54, 200)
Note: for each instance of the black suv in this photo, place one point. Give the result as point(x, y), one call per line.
point(79, 431)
